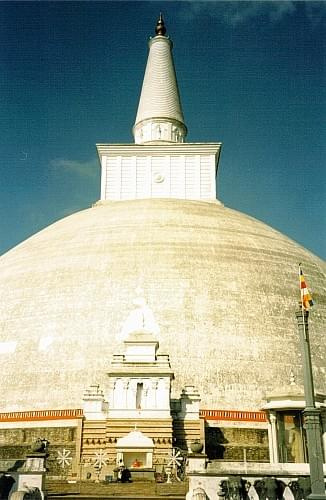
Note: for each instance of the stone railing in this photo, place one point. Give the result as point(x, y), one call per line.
point(251, 481)
point(248, 488)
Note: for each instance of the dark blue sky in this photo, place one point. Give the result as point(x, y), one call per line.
point(251, 74)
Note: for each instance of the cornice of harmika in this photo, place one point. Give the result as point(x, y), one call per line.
point(158, 149)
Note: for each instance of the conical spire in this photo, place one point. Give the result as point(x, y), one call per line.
point(159, 116)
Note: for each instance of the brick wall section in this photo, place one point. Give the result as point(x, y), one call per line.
point(237, 444)
point(15, 444)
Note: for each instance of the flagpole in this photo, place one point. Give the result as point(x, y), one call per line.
point(311, 413)
point(303, 311)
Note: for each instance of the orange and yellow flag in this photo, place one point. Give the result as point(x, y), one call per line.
point(306, 299)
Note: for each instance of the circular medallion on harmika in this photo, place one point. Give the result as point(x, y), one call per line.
point(158, 177)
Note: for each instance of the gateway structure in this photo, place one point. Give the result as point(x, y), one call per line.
point(158, 308)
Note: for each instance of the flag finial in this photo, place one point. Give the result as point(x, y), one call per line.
point(160, 26)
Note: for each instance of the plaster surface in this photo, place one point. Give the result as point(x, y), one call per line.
point(223, 288)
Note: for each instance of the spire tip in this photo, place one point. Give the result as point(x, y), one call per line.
point(160, 28)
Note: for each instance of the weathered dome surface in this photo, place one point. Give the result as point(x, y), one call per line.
point(223, 288)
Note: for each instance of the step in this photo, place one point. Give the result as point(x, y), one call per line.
point(114, 497)
point(137, 490)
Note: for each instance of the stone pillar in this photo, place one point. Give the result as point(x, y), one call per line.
point(323, 427)
point(311, 413)
point(130, 388)
point(113, 399)
point(119, 394)
point(111, 391)
point(154, 393)
point(149, 459)
point(147, 403)
point(166, 386)
point(202, 434)
point(119, 458)
point(312, 425)
point(163, 394)
point(125, 386)
point(272, 438)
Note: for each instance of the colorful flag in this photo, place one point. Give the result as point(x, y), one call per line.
point(306, 299)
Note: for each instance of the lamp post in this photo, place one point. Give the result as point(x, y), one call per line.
point(311, 413)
